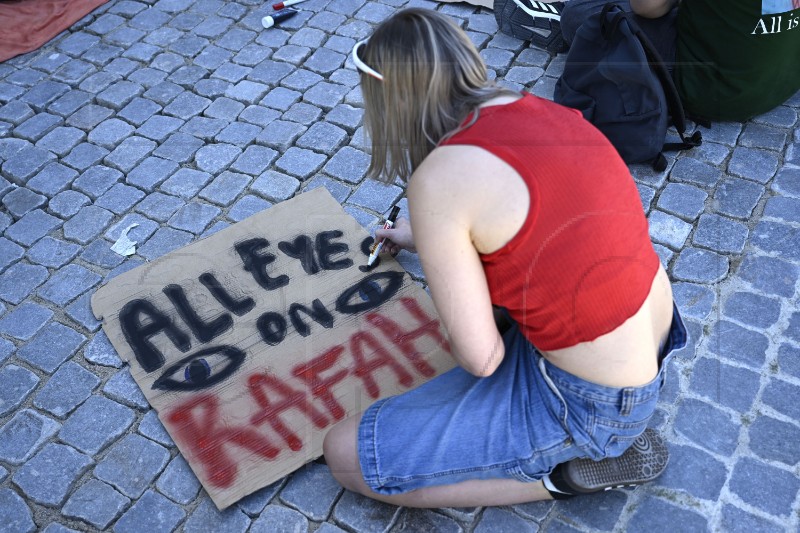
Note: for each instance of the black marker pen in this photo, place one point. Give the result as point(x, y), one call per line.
point(376, 248)
point(270, 20)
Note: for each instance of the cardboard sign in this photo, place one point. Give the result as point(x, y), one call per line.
point(250, 344)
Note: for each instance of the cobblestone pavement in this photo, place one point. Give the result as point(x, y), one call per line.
point(185, 116)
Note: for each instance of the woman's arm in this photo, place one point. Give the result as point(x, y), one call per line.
point(442, 204)
point(652, 8)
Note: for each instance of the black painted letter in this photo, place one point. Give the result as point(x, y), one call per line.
point(138, 334)
point(238, 308)
point(319, 314)
point(326, 249)
point(255, 262)
point(204, 331)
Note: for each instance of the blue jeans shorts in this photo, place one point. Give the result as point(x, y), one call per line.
point(518, 423)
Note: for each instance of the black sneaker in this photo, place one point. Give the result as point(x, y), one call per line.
point(537, 22)
point(644, 461)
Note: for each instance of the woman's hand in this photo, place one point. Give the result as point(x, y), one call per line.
point(398, 237)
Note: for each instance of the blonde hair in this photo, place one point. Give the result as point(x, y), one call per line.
point(433, 77)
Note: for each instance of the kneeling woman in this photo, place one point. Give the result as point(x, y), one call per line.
point(520, 205)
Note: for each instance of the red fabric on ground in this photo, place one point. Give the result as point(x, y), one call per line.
point(26, 25)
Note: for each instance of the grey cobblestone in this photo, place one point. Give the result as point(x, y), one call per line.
point(69, 103)
point(122, 388)
point(130, 153)
point(224, 189)
point(300, 162)
point(778, 238)
point(53, 179)
point(753, 164)
point(151, 427)
point(24, 434)
point(163, 93)
point(110, 133)
point(179, 147)
point(22, 200)
point(736, 343)
point(61, 140)
point(761, 136)
point(708, 427)
point(254, 160)
point(375, 196)
point(786, 209)
point(14, 513)
point(238, 134)
point(338, 190)
point(20, 280)
point(49, 476)
point(132, 464)
point(326, 95)
point(96, 180)
point(247, 206)
point(280, 134)
point(696, 172)
point(323, 137)
point(164, 241)
point(736, 520)
point(118, 199)
point(99, 351)
point(360, 513)
point(81, 312)
point(752, 309)
point(737, 198)
point(98, 252)
point(159, 206)
point(51, 347)
point(32, 227)
point(178, 482)
point(787, 182)
point(68, 387)
point(74, 71)
point(725, 384)
point(301, 79)
point(769, 274)
point(654, 514)
point(97, 82)
point(194, 217)
point(148, 77)
point(203, 127)
point(276, 518)
point(17, 383)
point(211, 88)
point(159, 127)
point(95, 503)
point(26, 163)
point(88, 223)
point(700, 266)
point(214, 158)
point(312, 490)
point(275, 185)
point(667, 229)
point(765, 487)
point(768, 437)
point(720, 234)
point(207, 518)
point(85, 155)
point(778, 395)
point(16, 112)
point(186, 182)
point(151, 512)
point(224, 108)
point(25, 321)
point(41, 94)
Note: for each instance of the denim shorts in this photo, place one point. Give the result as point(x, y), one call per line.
point(518, 423)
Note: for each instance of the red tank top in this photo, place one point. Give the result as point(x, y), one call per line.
point(582, 263)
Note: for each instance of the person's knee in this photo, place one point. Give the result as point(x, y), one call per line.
point(341, 454)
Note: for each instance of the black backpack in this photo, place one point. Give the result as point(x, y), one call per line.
point(617, 79)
